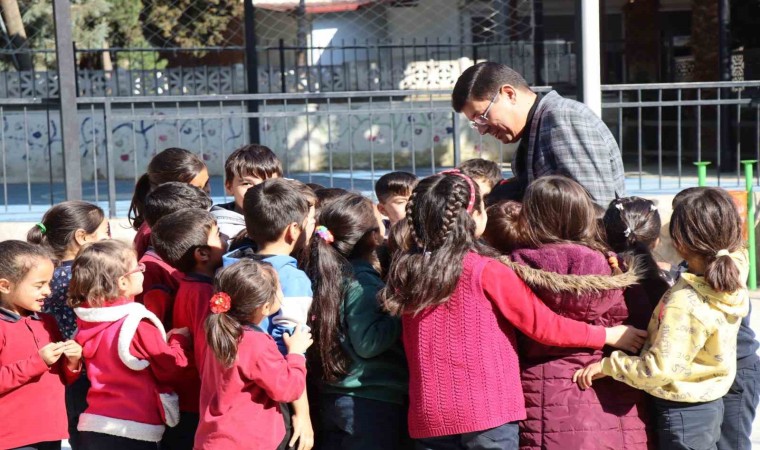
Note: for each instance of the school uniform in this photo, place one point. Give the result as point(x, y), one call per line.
point(29, 389)
point(160, 284)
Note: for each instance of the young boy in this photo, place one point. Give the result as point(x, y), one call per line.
point(246, 167)
point(189, 241)
point(279, 217)
point(160, 279)
point(393, 191)
point(486, 173)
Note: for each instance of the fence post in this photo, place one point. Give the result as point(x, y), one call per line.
point(702, 173)
point(251, 68)
point(67, 96)
point(110, 168)
point(456, 137)
point(283, 77)
point(752, 282)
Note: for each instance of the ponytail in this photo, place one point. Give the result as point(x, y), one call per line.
point(722, 274)
point(57, 229)
point(36, 236)
point(223, 334)
point(137, 207)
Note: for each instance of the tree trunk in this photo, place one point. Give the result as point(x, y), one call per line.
point(17, 34)
point(704, 40)
point(642, 40)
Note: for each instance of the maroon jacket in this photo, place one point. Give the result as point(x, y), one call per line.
point(610, 415)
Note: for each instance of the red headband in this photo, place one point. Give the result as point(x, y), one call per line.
point(470, 183)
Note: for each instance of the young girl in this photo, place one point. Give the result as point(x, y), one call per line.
point(358, 353)
point(35, 362)
point(559, 226)
point(172, 164)
point(128, 361)
point(244, 375)
point(64, 229)
point(632, 229)
point(689, 361)
point(460, 311)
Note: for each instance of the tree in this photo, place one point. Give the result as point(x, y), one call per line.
point(16, 34)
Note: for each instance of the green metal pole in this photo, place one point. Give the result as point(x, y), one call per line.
point(752, 282)
point(702, 172)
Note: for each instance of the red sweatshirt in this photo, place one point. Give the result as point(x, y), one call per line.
point(464, 373)
point(29, 389)
point(190, 310)
point(239, 404)
point(129, 364)
point(142, 240)
point(160, 285)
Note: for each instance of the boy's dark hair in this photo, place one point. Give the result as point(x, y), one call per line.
point(482, 169)
point(482, 81)
point(172, 164)
point(631, 220)
point(557, 209)
point(61, 223)
point(253, 159)
point(395, 183)
point(271, 206)
point(18, 258)
point(704, 223)
point(502, 229)
point(175, 237)
point(172, 197)
point(326, 195)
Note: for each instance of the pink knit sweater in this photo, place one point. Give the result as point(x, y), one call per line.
point(464, 374)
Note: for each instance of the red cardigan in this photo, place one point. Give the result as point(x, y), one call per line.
point(239, 404)
point(160, 285)
point(29, 389)
point(190, 310)
point(464, 374)
point(142, 240)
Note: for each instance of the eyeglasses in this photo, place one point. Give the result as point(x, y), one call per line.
point(482, 120)
point(140, 268)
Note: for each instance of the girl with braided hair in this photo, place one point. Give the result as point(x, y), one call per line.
point(358, 358)
point(460, 311)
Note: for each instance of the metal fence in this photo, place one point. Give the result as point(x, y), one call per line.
point(350, 139)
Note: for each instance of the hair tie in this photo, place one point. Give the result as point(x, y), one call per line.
point(470, 183)
point(619, 206)
point(325, 234)
point(652, 207)
point(627, 232)
point(42, 227)
point(220, 303)
point(722, 252)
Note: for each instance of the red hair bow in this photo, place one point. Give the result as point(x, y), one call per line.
point(220, 303)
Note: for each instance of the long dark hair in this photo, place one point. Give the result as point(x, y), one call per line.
point(704, 223)
point(250, 285)
point(61, 223)
point(172, 164)
point(351, 221)
point(557, 209)
point(441, 232)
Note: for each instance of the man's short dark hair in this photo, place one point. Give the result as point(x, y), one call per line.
point(482, 169)
point(252, 160)
point(273, 205)
point(172, 197)
point(482, 81)
point(395, 183)
point(175, 237)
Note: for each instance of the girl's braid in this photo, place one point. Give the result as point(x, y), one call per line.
point(410, 218)
point(457, 200)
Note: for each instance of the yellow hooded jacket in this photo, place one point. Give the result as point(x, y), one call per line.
point(690, 355)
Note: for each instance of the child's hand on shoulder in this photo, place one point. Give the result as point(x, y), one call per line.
point(299, 341)
point(625, 337)
point(584, 377)
point(73, 352)
point(51, 352)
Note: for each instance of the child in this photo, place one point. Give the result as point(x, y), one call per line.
point(559, 227)
point(486, 174)
point(459, 311)
point(244, 376)
point(689, 361)
point(279, 216)
point(362, 370)
point(127, 357)
point(64, 229)
point(632, 229)
point(393, 190)
point(172, 164)
point(502, 231)
point(160, 280)
point(190, 241)
point(245, 167)
point(35, 362)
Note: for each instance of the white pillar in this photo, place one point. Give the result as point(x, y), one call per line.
point(592, 63)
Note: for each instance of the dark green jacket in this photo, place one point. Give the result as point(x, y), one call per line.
point(372, 339)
